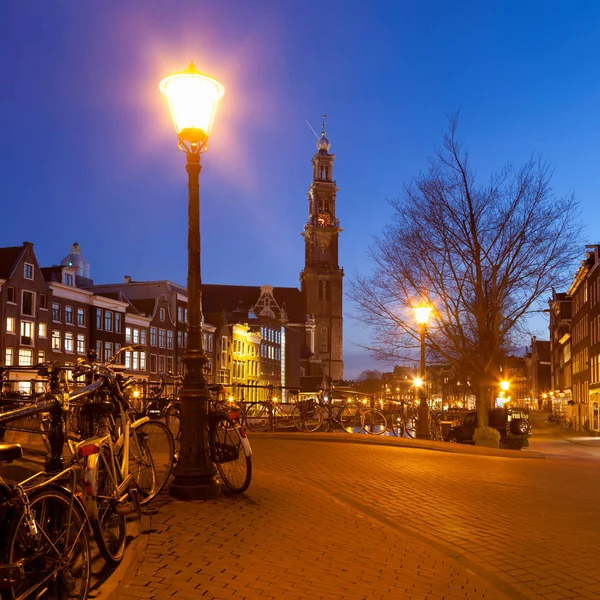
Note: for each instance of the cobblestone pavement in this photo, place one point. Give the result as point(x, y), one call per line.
point(351, 521)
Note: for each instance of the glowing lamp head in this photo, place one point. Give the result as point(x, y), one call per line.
point(422, 312)
point(193, 99)
point(504, 386)
point(418, 381)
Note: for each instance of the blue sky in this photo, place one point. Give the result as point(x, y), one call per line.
point(87, 151)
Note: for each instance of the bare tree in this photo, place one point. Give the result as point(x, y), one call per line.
point(484, 255)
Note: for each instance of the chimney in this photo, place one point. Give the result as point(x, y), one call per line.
point(127, 278)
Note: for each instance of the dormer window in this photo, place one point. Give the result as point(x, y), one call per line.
point(28, 271)
point(68, 279)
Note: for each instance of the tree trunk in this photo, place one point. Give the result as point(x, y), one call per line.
point(482, 403)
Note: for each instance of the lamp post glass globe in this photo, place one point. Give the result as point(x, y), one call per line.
point(504, 385)
point(193, 98)
point(422, 313)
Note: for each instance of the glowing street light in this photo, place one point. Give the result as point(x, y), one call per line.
point(422, 313)
point(193, 97)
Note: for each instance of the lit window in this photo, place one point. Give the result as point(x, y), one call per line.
point(41, 356)
point(42, 330)
point(128, 335)
point(56, 340)
point(80, 343)
point(28, 271)
point(135, 363)
point(27, 333)
point(142, 361)
point(25, 357)
point(128, 359)
point(136, 336)
point(68, 341)
point(8, 357)
point(10, 325)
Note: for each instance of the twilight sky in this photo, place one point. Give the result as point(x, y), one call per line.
point(88, 154)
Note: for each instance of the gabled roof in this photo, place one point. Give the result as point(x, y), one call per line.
point(8, 259)
point(230, 297)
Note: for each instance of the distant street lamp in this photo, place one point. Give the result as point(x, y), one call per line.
point(422, 313)
point(193, 99)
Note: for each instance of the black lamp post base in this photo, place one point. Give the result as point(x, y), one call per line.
point(184, 489)
point(423, 428)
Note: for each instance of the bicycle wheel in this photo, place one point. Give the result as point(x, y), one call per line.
point(108, 525)
point(397, 425)
point(412, 425)
point(374, 422)
point(230, 451)
point(258, 416)
point(172, 418)
point(350, 419)
point(141, 466)
point(56, 559)
point(307, 417)
point(159, 442)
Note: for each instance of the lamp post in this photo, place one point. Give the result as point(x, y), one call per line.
point(193, 99)
point(422, 313)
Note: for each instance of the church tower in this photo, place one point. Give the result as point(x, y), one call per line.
point(321, 279)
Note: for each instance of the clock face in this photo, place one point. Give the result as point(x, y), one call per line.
point(323, 219)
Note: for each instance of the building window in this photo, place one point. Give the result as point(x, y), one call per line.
point(170, 340)
point(142, 361)
point(41, 356)
point(8, 357)
point(56, 340)
point(10, 295)
point(28, 271)
point(161, 314)
point(27, 303)
point(43, 301)
point(56, 312)
point(143, 337)
point(27, 333)
point(180, 339)
point(153, 332)
point(117, 322)
point(108, 319)
point(136, 336)
point(108, 351)
point(80, 343)
point(81, 317)
point(99, 319)
point(10, 325)
point(68, 314)
point(127, 359)
point(119, 360)
point(68, 341)
point(42, 330)
point(153, 363)
point(180, 314)
point(68, 279)
point(135, 361)
point(128, 335)
point(185, 315)
point(161, 364)
point(161, 338)
point(99, 349)
point(170, 364)
point(25, 357)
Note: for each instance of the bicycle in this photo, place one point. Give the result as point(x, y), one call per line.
point(264, 414)
point(44, 539)
point(229, 446)
point(405, 422)
point(352, 418)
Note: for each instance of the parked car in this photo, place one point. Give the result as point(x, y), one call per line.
point(512, 423)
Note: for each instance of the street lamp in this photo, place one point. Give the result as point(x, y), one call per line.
point(193, 99)
point(422, 312)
